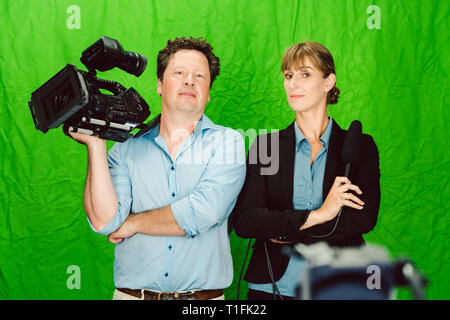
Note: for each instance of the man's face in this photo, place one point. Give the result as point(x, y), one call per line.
point(185, 87)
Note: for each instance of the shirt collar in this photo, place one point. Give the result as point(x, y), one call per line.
point(324, 139)
point(204, 124)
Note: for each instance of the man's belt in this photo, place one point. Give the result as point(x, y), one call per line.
point(189, 295)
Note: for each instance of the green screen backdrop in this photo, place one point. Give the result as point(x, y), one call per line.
point(392, 68)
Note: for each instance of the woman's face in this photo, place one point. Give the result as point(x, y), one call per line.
point(306, 88)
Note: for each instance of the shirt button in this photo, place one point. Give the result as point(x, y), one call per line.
point(166, 274)
point(172, 168)
point(170, 247)
point(173, 194)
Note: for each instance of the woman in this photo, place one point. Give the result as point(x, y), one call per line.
point(301, 201)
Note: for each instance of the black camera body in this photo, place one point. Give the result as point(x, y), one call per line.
point(73, 98)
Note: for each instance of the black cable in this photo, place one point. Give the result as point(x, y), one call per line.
point(334, 228)
point(242, 269)
point(347, 168)
point(269, 267)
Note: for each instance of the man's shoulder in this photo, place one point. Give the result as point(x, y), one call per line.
point(219, 131)
point(222, 136)
point(222, 130)
point(130, 144)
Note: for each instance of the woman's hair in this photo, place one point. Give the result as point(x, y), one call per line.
point(319, 56)
point(190, 43)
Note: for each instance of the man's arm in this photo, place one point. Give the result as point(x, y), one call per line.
point(100, 200)
point(202, 209)
point(156, 222)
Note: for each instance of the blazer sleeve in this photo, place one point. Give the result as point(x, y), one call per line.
point(253, 218)
point(355, 222)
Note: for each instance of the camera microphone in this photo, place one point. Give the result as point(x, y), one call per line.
point(350, 155)
point(352, 144)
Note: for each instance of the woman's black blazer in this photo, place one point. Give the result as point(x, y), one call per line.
point(264, 208)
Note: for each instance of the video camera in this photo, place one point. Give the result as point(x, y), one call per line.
point(72, 97)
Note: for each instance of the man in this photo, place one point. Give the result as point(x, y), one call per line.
point(164, 197)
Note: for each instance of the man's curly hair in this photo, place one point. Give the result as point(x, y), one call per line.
point(189, 43)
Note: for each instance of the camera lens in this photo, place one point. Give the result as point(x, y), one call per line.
point(107, 53)
point(133, 63)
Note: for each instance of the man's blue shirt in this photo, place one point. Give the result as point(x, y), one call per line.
point(201, 184)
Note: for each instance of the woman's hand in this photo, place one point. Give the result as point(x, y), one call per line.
point(339, 197)
point(279, 241)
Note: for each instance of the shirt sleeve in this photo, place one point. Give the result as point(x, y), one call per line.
point(122, 186)
point(214, 197)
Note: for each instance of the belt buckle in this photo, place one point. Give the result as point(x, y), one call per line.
point(143, 293)
point(167, 295)
point(151, 294)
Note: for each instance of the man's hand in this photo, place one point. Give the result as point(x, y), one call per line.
point(87, 139)
point(126, 230)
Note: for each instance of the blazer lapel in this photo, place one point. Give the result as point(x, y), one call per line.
point(287, 154)
point(334, 163)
